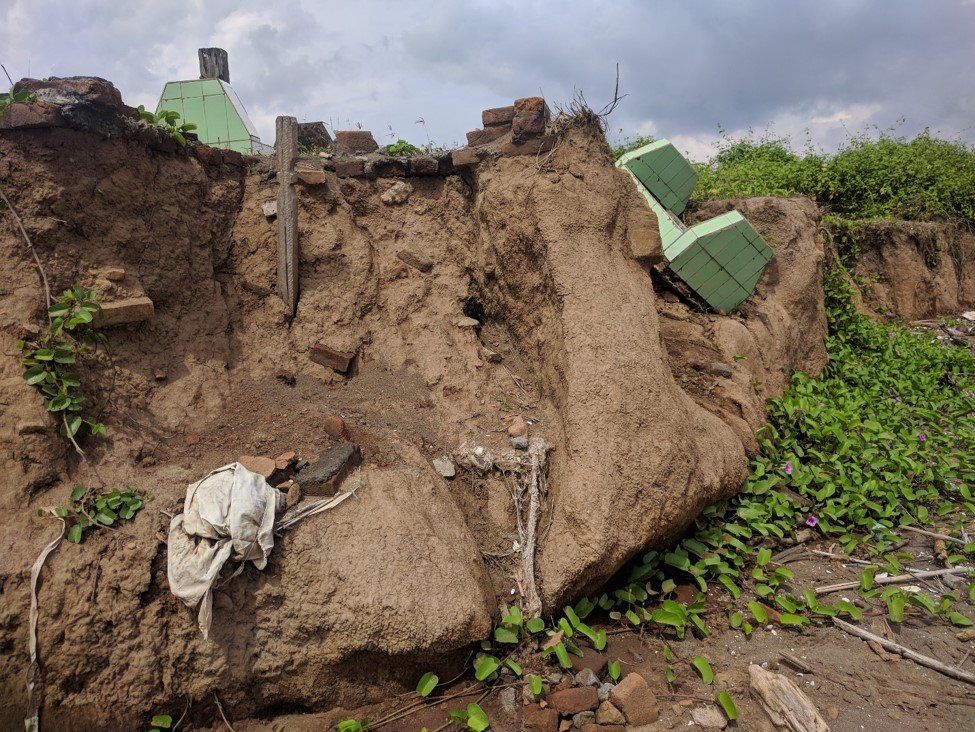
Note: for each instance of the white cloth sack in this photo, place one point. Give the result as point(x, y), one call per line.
point(229, 514)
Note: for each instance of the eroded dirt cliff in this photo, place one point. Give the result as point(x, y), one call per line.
point(649, 405)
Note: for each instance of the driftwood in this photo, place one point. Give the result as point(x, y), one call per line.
point(932, 534)
point(896, 579)
point(906, 652)
point(784, 702)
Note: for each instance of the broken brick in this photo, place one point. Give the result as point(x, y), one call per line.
point(531, 117)
point(574, 700)
point(311, 176)
point(497, 116)
point(260, 465)
point(386, 167)
point(132, 310)
point(464, 156)
point(324, 476)
point(282, 461)
point(338, 361)
point(355, 141)
point(488, 134)
point(27, 116)
point(423, 165)
point(537, 719)
point(532, 146)
point(636, 700)
point(349, 168)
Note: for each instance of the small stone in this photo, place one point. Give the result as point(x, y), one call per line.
point(520, 443)
point(334, 427)
point(288, 377)
point(445, 467)
point(507, 700)
point(604, 691)
point(565, 725)
point(583, 718)
point(709, 717)
point(416, 259)
point(192, 439)
point(323, 477)
point(634, 698)
point(608, 714)
point(538, 719)
point(608, 728)
point(517, 427)
point(311, 176)
point(282, 461)
point(159, 375)
point(294, 494)
point(113, 274)
point(467, 322)
point(490, 356)
point(397, 193)
point(721, 369)
point(965, 635)
point(574, 700)
point(586, 677)
point(260, 465)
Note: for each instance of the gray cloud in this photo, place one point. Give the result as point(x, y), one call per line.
point(825, 65)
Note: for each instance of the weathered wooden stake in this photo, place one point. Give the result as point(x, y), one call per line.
point(286, 143)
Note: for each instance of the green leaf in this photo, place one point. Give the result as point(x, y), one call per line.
point(74, 534)
point(758, 612)
point(78, 493)
point(535, 682)
point(535, 625)
point(513, 666)
point(106, 517)
point(730, 710)
point(74, 424)
point(163, 721)
point(427, 683)
point(505, 635)
point(562, 655)
point(477, 720)
point(58, 403)
point(614, 670)
point(700, 663)
point(764, 555)
point(484, 666)
point(959, 620)
point(793, 620)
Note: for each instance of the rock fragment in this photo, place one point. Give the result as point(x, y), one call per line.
point(445, 467)
point(634, 698)
point(397, 194)
point(260, 465)
point(338, 361)
point(574, 700)
point(323, 477)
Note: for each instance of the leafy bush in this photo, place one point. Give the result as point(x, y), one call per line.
point(402, 147)
point(167, 120)
point(628, 144)
point(89, 509)
point(49, 359)
point(889, 177)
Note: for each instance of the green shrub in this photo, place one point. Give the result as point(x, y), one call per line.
point(918, 179)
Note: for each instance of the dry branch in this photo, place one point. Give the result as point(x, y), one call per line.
point(896, 579)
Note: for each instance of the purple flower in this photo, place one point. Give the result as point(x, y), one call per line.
point(890, 313)
point(893, 334)
point(787, 467)
point(897, 399)
point(922, 437)
point(812, 521)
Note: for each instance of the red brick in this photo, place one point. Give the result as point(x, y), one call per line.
point(355, 141)
point(497, 116)
point(261, 465)
point(34, 115)
point(349, 168)
point(311, 176)
point(423, 165)
point(536, 719)
point(531, 117)
point(633, 697)
point(464, 156)
point(386, 167)
point(574, 700)
point(339, 361)
point(532, 146)
point(482, 137)
point(133, 310)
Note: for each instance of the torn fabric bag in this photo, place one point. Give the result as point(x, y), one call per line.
point(229, 514)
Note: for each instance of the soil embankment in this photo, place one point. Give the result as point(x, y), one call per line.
point(650, 408)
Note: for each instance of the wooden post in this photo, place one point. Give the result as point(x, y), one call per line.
point(286, 144)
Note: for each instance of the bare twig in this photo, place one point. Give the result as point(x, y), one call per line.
point(222, 715)
point(906, 652)
point(932, 534)
point(896, 579)
point(30, 245)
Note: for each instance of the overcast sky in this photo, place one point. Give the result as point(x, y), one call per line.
point(832, 66)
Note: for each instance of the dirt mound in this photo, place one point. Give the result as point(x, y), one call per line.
point(916, 270)
point(649, 405)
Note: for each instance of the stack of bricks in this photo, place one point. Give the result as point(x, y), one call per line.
point(515, 130)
